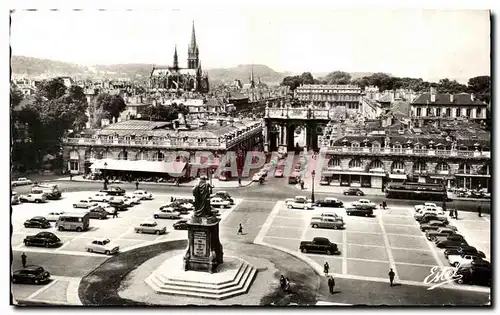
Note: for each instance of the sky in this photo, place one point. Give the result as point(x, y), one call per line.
point(428, 44)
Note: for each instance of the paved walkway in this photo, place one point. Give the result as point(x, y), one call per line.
point(59, 291)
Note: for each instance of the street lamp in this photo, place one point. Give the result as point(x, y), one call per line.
point(313, 173)
point(210, 173)
point(105, 175)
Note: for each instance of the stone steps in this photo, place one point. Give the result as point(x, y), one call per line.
point(218, 291)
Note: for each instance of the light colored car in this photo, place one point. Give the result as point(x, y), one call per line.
point(463, 260)
point(103, 246)
point(151, 227)
point(85, 204)
point(143, 195)
point(134, 199)
point(257, 177)
point(54, 216)
point(332, 215)
point(21, 181)
point(427, 205)
point(278, 173)
point(219, 202)
point(429, 210)
point(299, 202)
point(364, 204)
point(167, 213)
point(326, 222)
point(37, 198)
point(14, 200)
point(100, 197)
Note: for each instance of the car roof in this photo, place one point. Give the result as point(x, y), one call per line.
point(329, 213)
point(331, 198)
point(148, 222)
point(31, 267)
point(364, 200)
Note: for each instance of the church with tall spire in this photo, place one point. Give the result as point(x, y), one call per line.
point(176, 79)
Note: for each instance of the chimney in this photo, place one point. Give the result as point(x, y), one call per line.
point(472, 97)
point(451, 98)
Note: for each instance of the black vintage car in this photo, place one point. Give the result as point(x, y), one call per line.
point(329, 202)
point(354, 192)
point(180, 225)
point(114, 191)
point(31, 274)
point(37, 222)
point(98, 213)
point(431, 217)
point(45, 239)
point(359, 211)
point(319, 245)
point(478, 275)
point(450, 243)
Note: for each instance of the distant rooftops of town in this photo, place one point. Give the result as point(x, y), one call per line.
point(329, 86)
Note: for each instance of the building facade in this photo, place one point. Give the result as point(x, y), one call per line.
point(158, 143)
point(374, 158)
point(348, 96)
point(434, 106)
point(175, 78)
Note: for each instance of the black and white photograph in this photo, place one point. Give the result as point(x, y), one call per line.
point(274, 157)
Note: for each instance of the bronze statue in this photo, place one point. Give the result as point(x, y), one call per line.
point(201, 193)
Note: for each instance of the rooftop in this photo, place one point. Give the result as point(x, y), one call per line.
point(445, 99)
point(328, 86)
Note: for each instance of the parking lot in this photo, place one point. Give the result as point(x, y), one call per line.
point(119, 230)
point(369, 246)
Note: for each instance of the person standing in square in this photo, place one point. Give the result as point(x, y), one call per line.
point(391, 277)
point(331, 284)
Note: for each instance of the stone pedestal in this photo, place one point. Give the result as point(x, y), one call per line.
point(204, 252)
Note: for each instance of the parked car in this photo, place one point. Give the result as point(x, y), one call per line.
point(319, 245)
point(143, 195)
point(73, 222)
point(183, 205)
point(100, 197)
point(114, 191)
point(224, 195)
point(167, 213)
point(450, 243)
point(31, 274)
point(45, 239)
point(452, 237)
point(51, 191)
point(324, 181)
point(220, 203)
point(299, 202)
point(332, 215)
point(427, 205)
point(442, 232)
point(327, 223)
point(432, 217)
point(257, 177)
point(364, 204)
point(475, 275)
point(98, 212)
point(54, 215)
point(14, 199)
point(85, 204)
point(329, 202)
point(432, 211)
point(279, 173)
point(21, 181)
point(358, 211)
point(36, 198)
point(175, 206)
point(37, 222)
point(463, 250)
point(435, 225)
point(180, 225)
point(133, 199)
point(185, 200)
point(150, 227)
point(104, 246)
point(463, 260)
point(354, 192)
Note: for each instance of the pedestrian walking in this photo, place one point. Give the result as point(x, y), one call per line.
point(384, 204)
point(391, 277)
point(301, 184)
point(136, 185)
point(115, 213)
point(240, 230)
point(479, 211)
point(239, 181)
point(456, 214)
point(282, 282)
point(331, 284)
point(287, 284)
point(171, 199)
point(23, 260)
point(326, 268)
point(70, 176)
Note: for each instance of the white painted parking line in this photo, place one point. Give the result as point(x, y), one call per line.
point(267, 224)
point(286, 227)
point(410, 249)
point(62, 252)
point(387, 247)
point(43, 289)
point(281, 237)
point(393, 224)
point(406, 235)
point(82, 236)
point(344, 252)
point(365, 245)
point(432, 249)
point(414, 264)
point(325, 303)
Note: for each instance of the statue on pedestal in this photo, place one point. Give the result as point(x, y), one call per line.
point(201, 193)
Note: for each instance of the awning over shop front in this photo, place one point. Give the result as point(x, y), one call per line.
point(140, 166)
point(397, 176)
point(326, 173)
point(472, 175)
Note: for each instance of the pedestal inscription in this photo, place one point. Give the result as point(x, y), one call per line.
point(200, 244)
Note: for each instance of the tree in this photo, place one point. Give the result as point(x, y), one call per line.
point(338, 77)
point(450, 86)
point(52, 89)
point(111, 105)
point(481, 87)
point(16, 96)
point(306, 78)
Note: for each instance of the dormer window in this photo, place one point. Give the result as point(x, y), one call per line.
point(354, 144)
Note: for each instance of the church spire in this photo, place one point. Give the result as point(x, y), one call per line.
point(252, 79)
point(176, 59)
point(193, 38)
point(193, 52)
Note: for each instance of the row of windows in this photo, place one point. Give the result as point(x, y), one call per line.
point(341, 97)
point(417, 167)
point(447, 112)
